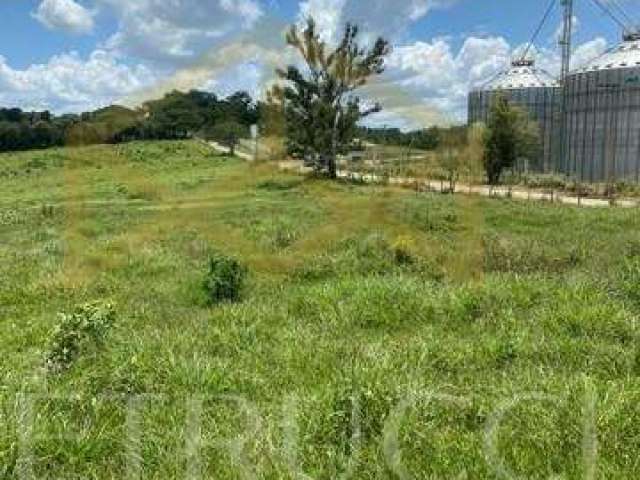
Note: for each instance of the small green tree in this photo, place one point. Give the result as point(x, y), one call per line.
point(321, 108)
point(509, 135)
point(473, 153)
point(228, 134)
point(450, 154)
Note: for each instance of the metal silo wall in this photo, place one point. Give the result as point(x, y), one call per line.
point(541, 103)
point(602, 142)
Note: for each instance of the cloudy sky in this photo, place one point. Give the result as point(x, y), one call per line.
point(76, 55)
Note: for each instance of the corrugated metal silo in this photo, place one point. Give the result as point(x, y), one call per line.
point(534, 90)
point(602, 122)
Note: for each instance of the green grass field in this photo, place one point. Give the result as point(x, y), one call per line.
point(381, 334)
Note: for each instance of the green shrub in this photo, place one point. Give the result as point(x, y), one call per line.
point(78, 331)
point(225, 279)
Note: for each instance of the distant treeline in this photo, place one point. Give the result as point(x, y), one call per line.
point(176, 116)
point(427, 139)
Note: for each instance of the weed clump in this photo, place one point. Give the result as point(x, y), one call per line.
point(87, 326)
point(371, 255)
point(225, 279)
point(11, 217)
point(280, 185)
point(403, 250)
point(527, 256)
point(628, 279)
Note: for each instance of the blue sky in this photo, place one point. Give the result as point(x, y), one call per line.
point(72, 55)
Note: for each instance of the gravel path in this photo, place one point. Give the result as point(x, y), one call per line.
point(481, 190)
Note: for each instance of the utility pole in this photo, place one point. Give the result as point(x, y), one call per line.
point(565, 43)
point(567, 33)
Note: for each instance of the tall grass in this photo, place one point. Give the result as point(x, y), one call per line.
point(381, 331)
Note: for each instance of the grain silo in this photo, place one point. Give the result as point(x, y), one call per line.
point(535, 91)
point(602, 122)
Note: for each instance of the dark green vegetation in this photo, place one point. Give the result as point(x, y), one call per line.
point(86, 327)
point(175, 116)
point(510, 136)
point(430, 313)
point(225, 279)
point(427, 139)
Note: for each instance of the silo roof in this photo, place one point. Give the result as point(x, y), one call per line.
point(624, 55)
point(522, 74)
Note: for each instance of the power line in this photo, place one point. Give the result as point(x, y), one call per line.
point(539, 29)
point(608, 11)
point(623, 12)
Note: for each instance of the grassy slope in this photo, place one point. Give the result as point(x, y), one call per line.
point(356, 292)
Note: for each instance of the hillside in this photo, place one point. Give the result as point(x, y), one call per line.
point(470, 336)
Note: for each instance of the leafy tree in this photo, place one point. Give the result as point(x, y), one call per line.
point(174, 116)
point(239, 107)
point(321, 108)
point(510, 135)
point(45, 135)
point(13, 115)
point(9, 136)
point(228, 134)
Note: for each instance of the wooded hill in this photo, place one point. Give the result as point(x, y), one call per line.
point(175, 116)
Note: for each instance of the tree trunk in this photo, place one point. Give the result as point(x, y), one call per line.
point(332, 160)
point(331, 166)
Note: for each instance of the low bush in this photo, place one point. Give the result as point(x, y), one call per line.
point(225, 279)
point(86, 327)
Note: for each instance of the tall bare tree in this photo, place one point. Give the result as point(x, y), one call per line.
point(320, 105)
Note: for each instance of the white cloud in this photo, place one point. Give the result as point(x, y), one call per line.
point(588, 51)
point(375, 17)
point(66, 15)
point(575, 27)
point(326, 13)
point(174, 31)
point(227, 44)
point(69, 83)
point(433, 75)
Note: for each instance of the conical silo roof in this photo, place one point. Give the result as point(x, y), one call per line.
point(624, 55)
point(522, 74)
